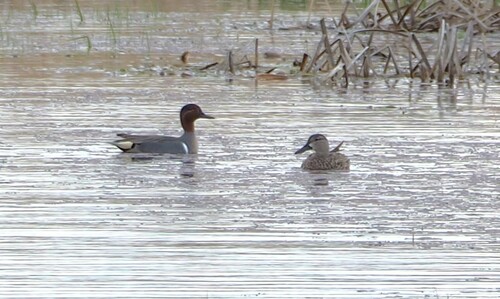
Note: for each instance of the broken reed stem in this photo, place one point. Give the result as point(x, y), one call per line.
point(333, 73)
point(309, 11)
point(366, 57)
point(451, 72)
point(484, 65)
point(270, 70)
point(408, 10)
point(456, 62)
point(256, 55)
point(316, 55)
point(386, 66)
point(327, 43)
point(398, 10)
point(389, 13)
point(79, 11)
point(328, 7)
point(230, 62)
point(335, 22)
point(427, 67)
point(367, 63)
point(478, 21)
point(360, 54)
point(303, 63)
point(451, 48)
point(346, 79)
point(403, 34)
point(209, 66)
point(394, 61)
point(35, 10)
point(366, 69)
point(415, 12)
point(439, 67)
point(365, 13)
point(495, 59)
point(375, 15)
point(344, 54)
point(430, 10)
point(344, 21)
point(465, 54)
point(410, 64)
point(271, 22)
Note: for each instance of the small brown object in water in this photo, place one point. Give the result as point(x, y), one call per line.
point(185, 57)
point(272, 55)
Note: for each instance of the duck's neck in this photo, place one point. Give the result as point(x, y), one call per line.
point(187, 124)
point(322, 149)
point(190, 139)
point(322, 154)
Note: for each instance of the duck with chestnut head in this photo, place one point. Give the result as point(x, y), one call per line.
point(187, 143)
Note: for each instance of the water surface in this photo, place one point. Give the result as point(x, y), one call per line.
point(416, 217)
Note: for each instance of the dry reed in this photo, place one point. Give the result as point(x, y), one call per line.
point(353, 46)
point(440, 41)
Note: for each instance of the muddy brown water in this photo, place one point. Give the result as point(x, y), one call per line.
point(416, 217)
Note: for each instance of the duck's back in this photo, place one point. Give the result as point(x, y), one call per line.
point(332, 161)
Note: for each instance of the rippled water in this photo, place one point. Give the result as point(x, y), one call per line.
point(416, 217)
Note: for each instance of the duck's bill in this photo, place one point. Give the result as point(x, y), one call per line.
point(206, 116)
point(303, 149)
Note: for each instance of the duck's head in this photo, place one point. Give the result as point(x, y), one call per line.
point(316, 142)
point(189, 114)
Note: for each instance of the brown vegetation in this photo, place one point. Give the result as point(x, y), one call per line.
point(440, 41)
point(388, 41)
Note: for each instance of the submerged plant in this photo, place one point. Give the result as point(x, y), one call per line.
point(111, 27)
point(35, 10)
point(79, 11)
point(87, 40)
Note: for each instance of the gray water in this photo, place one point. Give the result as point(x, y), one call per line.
point(416, 217)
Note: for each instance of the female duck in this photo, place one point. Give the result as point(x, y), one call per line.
point(323, 158)
point(185, 144)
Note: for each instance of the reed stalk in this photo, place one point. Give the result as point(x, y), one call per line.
point(309, 11)
point(79, 12)
point(209, 66)
point(34, 9)
point(88, 42)
point(327, 43)
point(271, 22)
point(303, 63)
point(256, 54)
point(230, 62)
point(483, 26)
point(316, 55)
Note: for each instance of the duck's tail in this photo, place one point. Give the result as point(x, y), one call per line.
point(337, 148)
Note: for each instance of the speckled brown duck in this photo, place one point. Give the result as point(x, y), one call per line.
point(323, 158)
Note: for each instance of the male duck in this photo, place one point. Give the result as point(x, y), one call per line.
point(323, 158)
point(185, 144)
